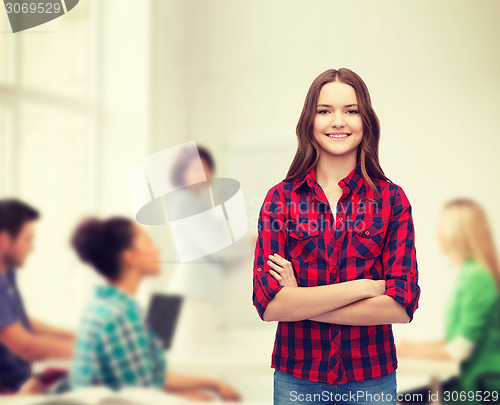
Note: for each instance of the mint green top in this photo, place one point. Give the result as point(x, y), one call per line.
point(473, 312)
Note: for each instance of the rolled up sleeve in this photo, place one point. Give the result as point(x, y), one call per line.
point(399, 256)
point(271, 239)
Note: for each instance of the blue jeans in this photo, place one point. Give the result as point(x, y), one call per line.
point(289, 389)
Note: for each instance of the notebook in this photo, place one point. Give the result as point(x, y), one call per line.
point(162, 316)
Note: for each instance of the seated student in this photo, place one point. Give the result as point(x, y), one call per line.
point(472, 321)
point(22, 339)
point(114, 346)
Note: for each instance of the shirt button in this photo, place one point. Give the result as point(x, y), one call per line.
point(367, 233)
point(341, 219)
point(334, 271)
point(301, 234)
point(259, 269)
point(339, 244)
point(341, 183)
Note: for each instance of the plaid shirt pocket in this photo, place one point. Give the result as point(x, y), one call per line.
point(304, 241)
point(367, 239)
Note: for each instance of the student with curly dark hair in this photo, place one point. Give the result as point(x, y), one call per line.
point(114, 346)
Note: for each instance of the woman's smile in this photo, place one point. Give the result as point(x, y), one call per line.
point(338, 136)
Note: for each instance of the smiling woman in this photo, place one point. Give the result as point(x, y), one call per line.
point(347, 114)
point(335, 280)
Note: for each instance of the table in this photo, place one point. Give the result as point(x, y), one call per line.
point(246, 367)
point(415, 373)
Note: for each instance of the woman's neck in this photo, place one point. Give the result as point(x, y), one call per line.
point(129, 282)
point(331, 169)
point(458, 260)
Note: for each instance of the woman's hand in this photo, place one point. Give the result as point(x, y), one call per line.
point(226, 392)
point(374, 287)
point(282, 270)
point(199, 388)
point(196, 395)
point(405, 348)
point(32, 386)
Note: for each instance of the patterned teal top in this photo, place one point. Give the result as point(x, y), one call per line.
point(114, 346)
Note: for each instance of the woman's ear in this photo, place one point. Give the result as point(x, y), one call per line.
point(5, 239)
point(128, 257)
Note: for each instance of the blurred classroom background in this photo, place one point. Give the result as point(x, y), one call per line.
point(86, 96)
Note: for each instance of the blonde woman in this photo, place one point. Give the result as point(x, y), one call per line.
point(472, 321)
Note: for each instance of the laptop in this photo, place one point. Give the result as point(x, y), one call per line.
point(162, 316)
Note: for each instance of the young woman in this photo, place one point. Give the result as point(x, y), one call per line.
point(335, 261)
point(114, 346)
point(472, 323)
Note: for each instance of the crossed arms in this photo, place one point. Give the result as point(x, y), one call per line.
point(357, 302)
point(277, 297)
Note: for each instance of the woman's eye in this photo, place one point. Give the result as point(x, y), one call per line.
point(349, 111)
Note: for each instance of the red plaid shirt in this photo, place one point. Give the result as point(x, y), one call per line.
point(365, 240)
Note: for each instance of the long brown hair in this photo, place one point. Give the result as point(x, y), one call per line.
point(467, 230)
point(307, 154)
